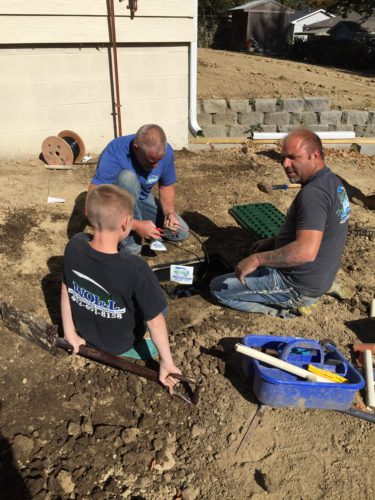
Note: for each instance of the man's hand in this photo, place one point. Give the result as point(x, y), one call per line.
point(75, 341)
point(245, 267)
point(164, 375)
point(146, 229)
point(263, 245)
point(170, 221)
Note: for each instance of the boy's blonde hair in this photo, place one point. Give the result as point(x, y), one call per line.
point(107, 205)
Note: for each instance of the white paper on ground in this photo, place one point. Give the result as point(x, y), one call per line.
point(52, 199)
point(182, 274)
point(158, 246)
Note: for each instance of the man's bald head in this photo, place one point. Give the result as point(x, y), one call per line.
point(151, 138)
point(308, 140)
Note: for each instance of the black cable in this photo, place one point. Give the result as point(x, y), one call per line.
point(202, 244)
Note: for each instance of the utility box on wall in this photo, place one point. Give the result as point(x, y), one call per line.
point(55, 70)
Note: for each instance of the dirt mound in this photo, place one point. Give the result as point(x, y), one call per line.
point(227, 75)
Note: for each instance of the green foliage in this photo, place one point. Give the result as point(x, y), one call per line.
point(216, 8)
point(254, 128)
point(342, 7)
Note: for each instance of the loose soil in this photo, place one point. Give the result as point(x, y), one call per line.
point(223, 74)
point(72, 428)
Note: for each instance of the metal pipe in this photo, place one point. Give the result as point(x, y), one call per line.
point(191, 396)
point(117, 104)
point(193, 51)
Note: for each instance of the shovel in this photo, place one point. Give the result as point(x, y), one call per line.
point(45, 335)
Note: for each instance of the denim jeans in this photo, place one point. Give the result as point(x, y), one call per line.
point(264, 292)
point(147, 209)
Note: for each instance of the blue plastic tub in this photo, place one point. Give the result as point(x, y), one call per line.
point(278, 388)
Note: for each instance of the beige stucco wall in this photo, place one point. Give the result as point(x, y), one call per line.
point(46, 88)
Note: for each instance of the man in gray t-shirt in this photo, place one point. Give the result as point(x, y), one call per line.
point(297, 266)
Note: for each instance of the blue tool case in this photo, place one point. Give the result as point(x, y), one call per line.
point(277, 388)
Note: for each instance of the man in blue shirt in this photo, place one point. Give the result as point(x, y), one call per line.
point(136, 163)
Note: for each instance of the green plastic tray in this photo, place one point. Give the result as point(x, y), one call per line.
point(262, 220)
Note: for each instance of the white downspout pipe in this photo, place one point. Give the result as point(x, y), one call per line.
point(193, 61)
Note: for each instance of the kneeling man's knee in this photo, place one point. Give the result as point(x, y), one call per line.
point(127, 180)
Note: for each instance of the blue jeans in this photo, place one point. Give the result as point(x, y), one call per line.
point(147, 209)
point(264, 292)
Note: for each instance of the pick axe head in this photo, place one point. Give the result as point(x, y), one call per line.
point(37, 331)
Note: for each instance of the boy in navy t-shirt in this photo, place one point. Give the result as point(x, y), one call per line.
point(106, 295)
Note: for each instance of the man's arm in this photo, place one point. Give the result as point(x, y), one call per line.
point(167, 196)
point(70, 333)
point(159, 335)
point(301, 251)
point(263, 245)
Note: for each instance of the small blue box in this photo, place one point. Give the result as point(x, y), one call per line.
point(277, 388)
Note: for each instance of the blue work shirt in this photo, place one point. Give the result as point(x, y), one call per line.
point(118, 155)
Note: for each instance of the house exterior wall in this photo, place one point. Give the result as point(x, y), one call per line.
point(269, 27)
point(261, 27)
point(55, 71)
point(315, 17)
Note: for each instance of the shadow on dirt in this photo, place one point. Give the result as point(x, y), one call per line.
point(51, 286)
point(233, 241)
point(363, 328)
point(51, 283)
point(234, 364)
point(270, 153)
point(78, 220)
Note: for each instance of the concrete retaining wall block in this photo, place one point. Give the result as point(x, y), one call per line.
point(371, 117)
point(265, 105)
point(318, 128)
point(239, 105)
point(293, 105)
point(252, 118)
point(303, 119)
point(340, 127)
point(238, 131)
point(214, 131)
point(286, 128)
point(364, 130)
point(227, 118)
point(204, 119)
point(278, 118)
point(268, 128)
point(214, 105)
point(330, 117)
point(317, 104)
point(355, 117)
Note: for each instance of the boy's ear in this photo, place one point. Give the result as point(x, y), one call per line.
point(127, 222)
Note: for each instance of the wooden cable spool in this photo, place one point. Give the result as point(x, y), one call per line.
point(64, 149)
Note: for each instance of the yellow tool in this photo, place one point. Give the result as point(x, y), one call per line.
point(329, 375)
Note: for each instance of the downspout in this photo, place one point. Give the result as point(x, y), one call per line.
point(193, 51)
point(117, 103)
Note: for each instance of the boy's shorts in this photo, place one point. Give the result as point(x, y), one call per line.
point(142, 349)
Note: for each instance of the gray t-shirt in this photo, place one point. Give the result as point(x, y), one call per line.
point(322, 205)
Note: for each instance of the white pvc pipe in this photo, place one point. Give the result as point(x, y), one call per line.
point(193, 61)
point(279, 363)
point(372, 309)
point(369, 370)
point(322, 135)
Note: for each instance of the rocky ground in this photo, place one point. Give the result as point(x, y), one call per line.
point(74, 429)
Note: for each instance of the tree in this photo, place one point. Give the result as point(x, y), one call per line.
point(343, 7)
